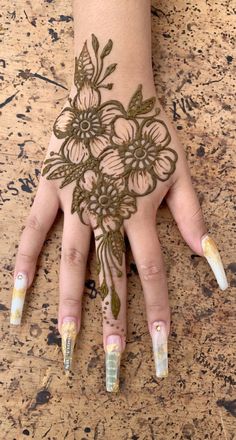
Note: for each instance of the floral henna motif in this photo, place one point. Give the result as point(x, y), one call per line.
point(112, 154)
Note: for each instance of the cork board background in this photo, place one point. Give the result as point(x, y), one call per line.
point(194, 64)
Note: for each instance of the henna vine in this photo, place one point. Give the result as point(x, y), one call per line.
point(112, 154)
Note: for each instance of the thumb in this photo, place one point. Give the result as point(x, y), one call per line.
point(186, 210)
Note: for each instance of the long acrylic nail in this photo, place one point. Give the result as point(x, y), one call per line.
point(159, 343)
point(68, 336)
point(213, 257)
point(113, 356)
point(18, 298)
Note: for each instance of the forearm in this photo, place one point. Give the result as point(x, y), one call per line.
point(128, 24)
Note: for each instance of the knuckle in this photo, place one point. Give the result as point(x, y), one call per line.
point(197, 215)
point(25, 258)
point(32, 222)
point(73, 257)
point(71, 302)
point(158, 309)
point(151, 271)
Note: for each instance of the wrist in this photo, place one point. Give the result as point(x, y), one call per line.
point(127, 24)
point(104, 68)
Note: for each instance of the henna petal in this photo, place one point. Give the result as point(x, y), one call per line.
point(76, 151)
point(119, 183)
point(63, 125)
point(110, 223)
point(109, 112)
point(140, 181)
point(98, 144)
point(111, 163)
point(127, 206)
point(164, 165)
point(90, 179)
point(157, 131)
point(87, 98)
point(125, 130)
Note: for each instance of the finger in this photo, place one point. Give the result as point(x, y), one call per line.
point(185, 207)
point(146, 250)
point(75, 249)
point(110, 251)
point(38, 223)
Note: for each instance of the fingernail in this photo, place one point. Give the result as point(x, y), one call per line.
point(113, 356)
point(68, 336)
point(18, 298)
point(212, 255)
point(159, 342)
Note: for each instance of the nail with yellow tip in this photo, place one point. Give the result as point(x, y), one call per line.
point(68, 336)
point(113, 356)
point(159, 342)
point(212, 255)
point(18, 298)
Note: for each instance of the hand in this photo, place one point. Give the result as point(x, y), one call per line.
point(109, 166)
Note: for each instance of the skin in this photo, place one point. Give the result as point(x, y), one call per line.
point(127, 25)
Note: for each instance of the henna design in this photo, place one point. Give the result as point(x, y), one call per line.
point(113, 155)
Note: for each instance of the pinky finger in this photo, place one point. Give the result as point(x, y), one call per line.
point(39, 221)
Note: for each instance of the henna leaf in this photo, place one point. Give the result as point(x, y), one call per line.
point(107, 49)
point(76, 199)
point(47, 168)
point(104, 290)
point(95, 44)
point(117, 245)
point(61, 171)
point(135, 102)
point(108, 71)
point(137, 106)
point(147, 106)
point(84, 68)
point(115, 302)
point(74, 175)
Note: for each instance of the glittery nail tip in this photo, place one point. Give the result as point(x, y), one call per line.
point(160, 350)
point(212, 255)
point(113, 357)
point(68, 333)
point(18, 298)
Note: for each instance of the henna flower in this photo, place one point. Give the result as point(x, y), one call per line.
point(139, 153)
point(106, 200)
point(84, 123)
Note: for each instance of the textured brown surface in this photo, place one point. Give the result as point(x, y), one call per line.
point(194, 62)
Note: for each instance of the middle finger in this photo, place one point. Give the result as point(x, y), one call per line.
point(110, 250)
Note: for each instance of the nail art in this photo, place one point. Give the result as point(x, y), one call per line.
point(159, 343)
point(212, 255)
point(113, 357)
point(68, 334)
point(18, 298)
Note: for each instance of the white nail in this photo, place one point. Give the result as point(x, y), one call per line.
point(113, 357)
point(212, 255)
point(160, 350)
point(18, 298)
point(68, 337)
